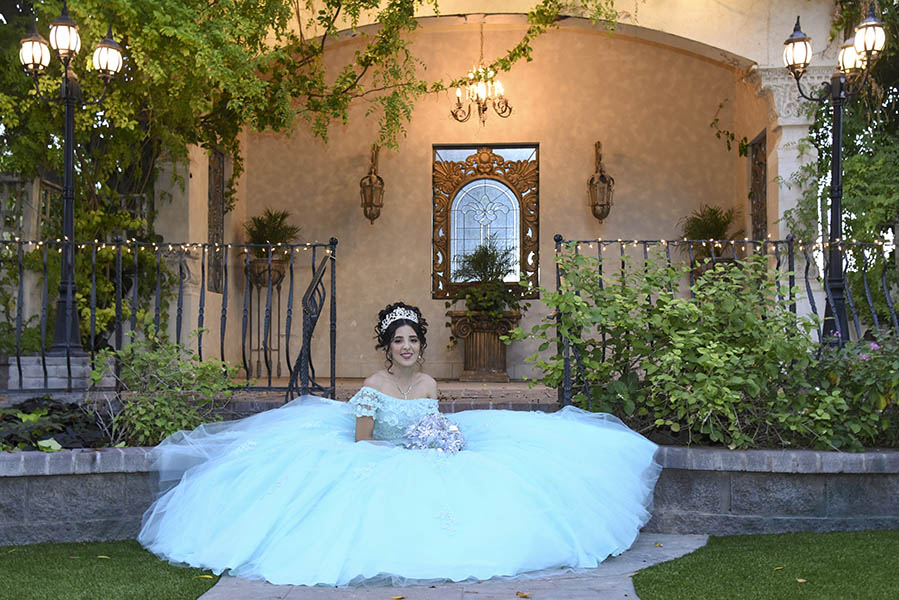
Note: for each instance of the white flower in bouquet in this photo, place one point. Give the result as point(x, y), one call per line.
point(434, 431)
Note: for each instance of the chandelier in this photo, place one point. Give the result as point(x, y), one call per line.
point(482, 90)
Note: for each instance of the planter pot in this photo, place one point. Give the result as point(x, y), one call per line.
point(485, 354)
point(259, 272)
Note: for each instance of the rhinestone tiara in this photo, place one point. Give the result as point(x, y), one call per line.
point(396, 314)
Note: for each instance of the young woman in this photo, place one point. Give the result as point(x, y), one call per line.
point(325, 493)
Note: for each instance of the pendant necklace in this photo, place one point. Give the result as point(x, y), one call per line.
point(408, 390)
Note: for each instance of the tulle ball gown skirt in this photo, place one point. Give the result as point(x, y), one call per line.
point(288, 496)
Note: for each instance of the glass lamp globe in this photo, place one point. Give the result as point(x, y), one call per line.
point(850, 61)
point(64, 36)
point(34, 53)
point(107, 57)
point(870, 36)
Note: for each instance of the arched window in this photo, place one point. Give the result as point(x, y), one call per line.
point(482, 209)
point(481, 192)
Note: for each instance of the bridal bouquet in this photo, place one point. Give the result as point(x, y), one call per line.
point(435, 431)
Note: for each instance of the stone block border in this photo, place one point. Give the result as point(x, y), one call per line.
point(732, 492)
point(80, 495)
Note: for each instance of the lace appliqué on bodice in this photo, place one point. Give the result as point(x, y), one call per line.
point(392, 416)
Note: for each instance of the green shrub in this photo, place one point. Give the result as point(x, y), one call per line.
point(36, 423)
point(730, 366)
point(164, 388)
point(866, 374)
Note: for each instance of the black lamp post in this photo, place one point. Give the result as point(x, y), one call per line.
point(857, 56)
point(34, 54)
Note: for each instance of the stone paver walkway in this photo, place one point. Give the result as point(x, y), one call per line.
point(610, 581)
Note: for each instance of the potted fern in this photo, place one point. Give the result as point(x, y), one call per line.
point(710, 223)
point(271, 227)
point(492, 308)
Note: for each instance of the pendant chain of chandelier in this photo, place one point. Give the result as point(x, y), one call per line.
point(483, 90)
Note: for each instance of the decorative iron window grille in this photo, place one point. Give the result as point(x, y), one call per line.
point(216, 222)
point(29, 209)
point(481, 192)
point(13, 197)
point(758, 187)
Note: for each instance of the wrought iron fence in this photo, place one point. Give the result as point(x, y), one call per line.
point(870, 270)
point(128, 286)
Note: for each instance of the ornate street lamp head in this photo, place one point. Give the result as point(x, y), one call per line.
point(797, 51)
point(34, 52)
point(64, 36)
point(870, 37)
point(108, 57)
point(850, 61)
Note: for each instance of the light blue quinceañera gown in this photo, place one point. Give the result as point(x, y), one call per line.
point(288, 495)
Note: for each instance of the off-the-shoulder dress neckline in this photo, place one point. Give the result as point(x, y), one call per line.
point(368, 387)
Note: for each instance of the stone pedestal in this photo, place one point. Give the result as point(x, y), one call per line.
point(485, 353)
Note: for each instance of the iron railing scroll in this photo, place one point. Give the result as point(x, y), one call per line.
point(302, 376)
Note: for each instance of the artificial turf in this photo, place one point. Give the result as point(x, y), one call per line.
point(862, 565)
point(95, 571)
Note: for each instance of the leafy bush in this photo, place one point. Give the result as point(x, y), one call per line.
point(164, 388)
point(730, 366)
point(36, 423)
point(30, 339)
point(866, 373)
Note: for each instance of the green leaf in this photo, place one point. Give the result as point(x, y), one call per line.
point(49, 445)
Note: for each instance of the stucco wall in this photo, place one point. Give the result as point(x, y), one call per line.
point(751, 29)
point(650, 104)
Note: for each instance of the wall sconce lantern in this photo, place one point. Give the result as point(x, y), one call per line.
point(600, 187)
point(371, 188)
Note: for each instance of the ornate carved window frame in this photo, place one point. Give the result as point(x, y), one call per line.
point(448, 177)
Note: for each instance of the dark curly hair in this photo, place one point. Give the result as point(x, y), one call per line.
point(384, 336)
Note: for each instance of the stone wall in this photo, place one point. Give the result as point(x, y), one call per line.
point(73, 495)
point(79, 495)
point(725, 492)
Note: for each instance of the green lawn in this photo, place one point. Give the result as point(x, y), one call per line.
point(794, 566)
point(95, 571)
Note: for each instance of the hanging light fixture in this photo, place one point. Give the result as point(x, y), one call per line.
point(371, 188)
point(483, 90)
point(600, 188)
